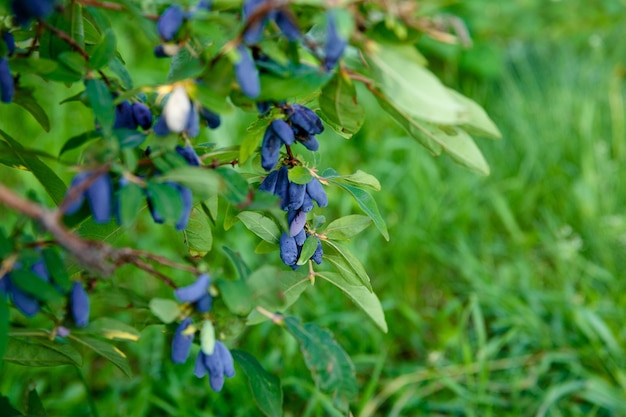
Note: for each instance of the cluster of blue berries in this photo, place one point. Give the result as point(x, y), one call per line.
point(218, 364)
point(27, 10)
point(301, 126)
point(78, 300)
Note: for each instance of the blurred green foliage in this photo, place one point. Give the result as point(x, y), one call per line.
point(504, 295)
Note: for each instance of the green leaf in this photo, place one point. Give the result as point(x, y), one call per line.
point(298, 82)
point(121, 71)
point(4, 323)
point(106, 350)
point(369, 206)
point(113, 329)
point(31, 284)
point(53, 185)
point(130, 201)
point(265, 387)
point(360, 295)
point(79, 140)
point(300, 175)
point(252, 140)
point(359, 179)
point(236, 296)
point(35, 406)
point(129, 138)
point(166, 201)
point(74, 62)
point(184, 65)
point(207, 337)
point(102, 104)
point(57, 268)
point(77, 31)
point(346, 227)
point(6, 409)
point(237, 188)
point(275, 290)
point(41, 352)
point(25, 99)
point(478, 122)
point(414, 90)
point(104, 51)
point(330, 365)
point(198, 235)
point(308, 249)
point(339, 106)
point(39, 66)
point(214, 90)
point(260, 225)
point(346, 263)
point(166, 310)
point(235, 257)
point(202, 182)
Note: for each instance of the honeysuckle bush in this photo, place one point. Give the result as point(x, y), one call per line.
point(150, 153)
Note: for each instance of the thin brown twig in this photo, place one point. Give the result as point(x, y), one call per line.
point(111, 6)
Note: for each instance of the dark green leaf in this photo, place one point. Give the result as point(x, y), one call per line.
point(41, 352)
point(4, 323)
point(104, 51)
point(6, 409)
point(166, 201)
point(74, 62)
point(129, 138)
point(33, 66)
point(28, 103)
point(131, 200)
point(360, 295)
point(35, 406)
point(106, 350)
point(122, 73)
point(6, 244)
point(308, 249)
point(243, 271)
point(275, 290)
point(31, 284)
point(369, 206)
point(329, 364)
point(101, 104)
point(346, 227)
point(265, 387)
point(339, 106)
point(198, 235)
point(47, 177)
point(77, 30)
point(236, 295)
point(260, 225)
point(237, 188)
point(57, 268)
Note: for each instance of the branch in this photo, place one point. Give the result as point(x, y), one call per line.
point(98, 257)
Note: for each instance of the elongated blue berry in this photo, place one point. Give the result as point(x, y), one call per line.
point(300, 237)
point(287, 25)
point(181, 342)
point(282, 187)
point(124, 118)
point(189, 154)
point(187, 198)
point(315, 189)
point(75, 205)
point(204, 304)
point(7, 86)
point(269, 183)
point(215, 366)
point(263, 107)
point(39, 268)
point(26, 10)
point(307, 203)
point(247, 73)
point(310, 142)
point(296, 196)
point(199, 369)
point(212, 120)
point(9, 40)
point(254, 31)
point(317, 256)
point(335, 44)
point(193, 292)
point(288, 249)
point(227, 359)
point(24, 302)
point(160, 127)
point(79, 305)
point(170, 22)
point(100, 198)
point(283, 131)
point(270, 149)
point(142, 115)
point(305, 119)
point(297, 220)
point(192, 128)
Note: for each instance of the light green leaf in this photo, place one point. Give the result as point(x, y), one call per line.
point(298, 82)
point(41, 352)
point(329, 364)
point(28, 103)
point(300, 175)
point(308, 249)
point(339, 106)
point(252, 140)
point(345, 262)
point(236, 186)
point(131, 200)
point(166, 201)
point(414, 90)
point(235, 257)
point(478, 122)
point(166, 310)
point(113, 329)
point(360, 179)
point(346, 227)
point(236, 296)
point(207, 337)
point(369, 206)
point(202, 182)
point(106, 350)
point(198, 235)
point(361, 296)
point(33, 66)
point(260, 225)
point(265, 387)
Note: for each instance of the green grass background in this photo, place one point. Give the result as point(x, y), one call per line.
point(505, 295)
